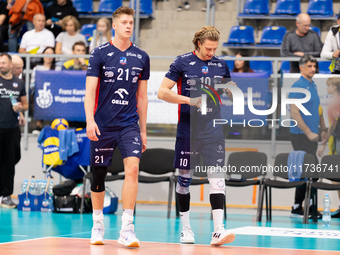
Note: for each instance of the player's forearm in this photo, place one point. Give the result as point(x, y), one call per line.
point(171, 97)
point(142, 104)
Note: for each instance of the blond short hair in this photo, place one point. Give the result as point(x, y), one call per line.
point(122, 10)
point(67, 19)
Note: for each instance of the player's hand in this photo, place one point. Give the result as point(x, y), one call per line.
point(313, 137)
point(92, 130)
point(17, 107)
point(144, 141)
point(196, 101)
point(227, 91)
point(22, 120)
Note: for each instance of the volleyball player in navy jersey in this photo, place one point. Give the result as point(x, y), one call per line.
point(195, 73)
point(116, 84)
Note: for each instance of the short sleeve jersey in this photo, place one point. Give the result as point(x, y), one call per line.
point(118, 73)
point(184, 70)
point(16, 87)
point(312, 121)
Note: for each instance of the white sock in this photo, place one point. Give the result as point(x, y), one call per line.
point(185, 218)
point(97, 216)
point(127, 217)
point(218, 219)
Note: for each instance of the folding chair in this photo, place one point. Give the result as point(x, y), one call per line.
point(281, 162)
point(328, 169)
point(158, 164)
point(246, 160)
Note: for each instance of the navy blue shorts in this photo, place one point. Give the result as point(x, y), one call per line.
point(127, 139)
point(188, 156)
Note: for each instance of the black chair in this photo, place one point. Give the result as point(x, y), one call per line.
point(246, 169)
point(158, 162)
point(114, 172)
point(328, 169)
point(281, 171)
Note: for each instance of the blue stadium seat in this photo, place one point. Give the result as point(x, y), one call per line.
point(256, 7)
point(320, 7)
point(316, 29)
point(272, 35)
point(87, 30)
point(241, 35)
point(83, 5)
point(261, 66)
point(285, 67)
point(324, 67)
point(288, 7)
point(145, 6)
point(109, 6)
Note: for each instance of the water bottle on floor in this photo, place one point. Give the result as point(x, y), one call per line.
point(326, 216)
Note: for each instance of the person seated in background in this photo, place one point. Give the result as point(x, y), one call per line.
point(47, 63)
point(104, 33)
point(242, 66)
point(17, 66)
point(331, 47)
point(22, 12)
point(4, 18)
point(56, 12)
point(66, 40)
point(301, 42)
point(36, 40)
point(78, 48)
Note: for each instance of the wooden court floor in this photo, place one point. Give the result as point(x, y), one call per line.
point(36, 233)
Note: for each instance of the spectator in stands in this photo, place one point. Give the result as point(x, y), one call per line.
point(46, 3)
point(103, 33)
point(17, 66)
point(56, 12)
point(305, 135)
point(79, 48)
point(4, 18)
point(48, 63)
point(23, 11)
point(331, 47)
point(181, 3)
point(36, 40)
point(301, 41)
point(66, 40)
point(242, 66)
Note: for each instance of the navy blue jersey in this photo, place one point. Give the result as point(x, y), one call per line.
point(191, 74)
point(118, 73)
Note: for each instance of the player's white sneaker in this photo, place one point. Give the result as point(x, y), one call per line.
point(97, 236)
point(187, 236)
point(222, 236)
point(128, 237)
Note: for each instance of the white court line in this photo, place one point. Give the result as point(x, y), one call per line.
point(287, 232)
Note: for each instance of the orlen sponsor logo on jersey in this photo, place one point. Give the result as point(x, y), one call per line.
point(122, 60)
point(130, 54)
point(205, 69)
point(121, 92)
